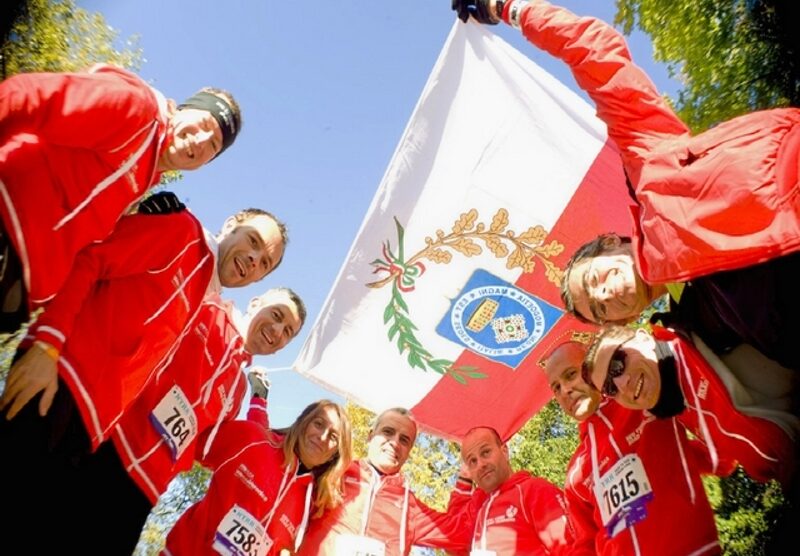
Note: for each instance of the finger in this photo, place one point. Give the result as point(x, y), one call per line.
point(8, 396)
point(46, 400)
point(20, 401)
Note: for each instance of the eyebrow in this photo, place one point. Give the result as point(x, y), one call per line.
point(585, 287)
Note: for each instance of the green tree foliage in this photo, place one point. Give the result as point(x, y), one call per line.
point(56, 35)
point(732, 57)
point(545, 444)
point(746, 512)
point(186, 489)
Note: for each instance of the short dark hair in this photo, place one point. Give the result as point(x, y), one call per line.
point(227, 97)
point(589, 250)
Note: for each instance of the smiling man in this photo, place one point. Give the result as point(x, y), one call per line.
point(664, 503)
point(100, 342)
point(250, 246)
point(77, 150)
point(175, 419)
point(380, 516)
point(517, 514)
point(668, 376)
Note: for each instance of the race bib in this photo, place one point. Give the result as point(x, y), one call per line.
point(174, 419)
point(356, 545)
point(622, 494)
point(240, 534)
point(482, 552)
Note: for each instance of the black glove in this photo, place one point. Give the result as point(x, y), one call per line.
point(481, 10)
point(163, 202)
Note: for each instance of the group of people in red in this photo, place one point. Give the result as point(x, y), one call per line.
point(132, 369)
point(707, 385)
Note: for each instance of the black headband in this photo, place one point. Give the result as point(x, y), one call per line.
point(221, 111)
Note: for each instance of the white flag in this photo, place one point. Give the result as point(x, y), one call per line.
point(450, 292)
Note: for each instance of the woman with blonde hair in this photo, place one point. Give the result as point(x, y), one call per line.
point(266, 483)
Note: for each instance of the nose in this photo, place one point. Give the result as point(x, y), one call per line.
point(603, 293)
point(621, 381)
point(203, 136)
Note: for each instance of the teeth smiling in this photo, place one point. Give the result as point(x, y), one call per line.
point(639, 386)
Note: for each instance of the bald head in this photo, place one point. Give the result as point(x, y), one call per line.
point(486, 458)
point(578, 399)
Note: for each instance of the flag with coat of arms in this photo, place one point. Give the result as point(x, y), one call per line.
point(449, 297)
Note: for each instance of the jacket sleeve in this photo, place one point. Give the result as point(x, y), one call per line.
point(257, 412)
point(450, 530)
point(136, 246)
point(546, 509)
point(110, 106)
point(699, 454)
point(626, 99)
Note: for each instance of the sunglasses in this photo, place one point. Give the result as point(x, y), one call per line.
point(616, 368)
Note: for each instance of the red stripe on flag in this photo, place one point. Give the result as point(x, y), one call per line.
point(507, 398)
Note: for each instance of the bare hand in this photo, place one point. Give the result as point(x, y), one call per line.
point(464, 471)
point(33, 373)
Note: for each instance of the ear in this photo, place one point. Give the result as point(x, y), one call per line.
point(254, 304)
point(228, 226)
point(172, 107)
point(505, 450)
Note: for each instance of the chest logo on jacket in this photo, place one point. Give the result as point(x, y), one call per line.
point(508, 516)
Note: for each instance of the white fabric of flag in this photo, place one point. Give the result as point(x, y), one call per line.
point(495, 146)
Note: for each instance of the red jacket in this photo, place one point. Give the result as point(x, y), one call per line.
point(76, 150)
point(525, 516)
point(384, 508)
point(203, 371)
point(121, 309)
point(251, 484)
point(724, 199)
point(760, 446)
point(679, 519)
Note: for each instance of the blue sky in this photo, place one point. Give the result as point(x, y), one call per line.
point(326, 89)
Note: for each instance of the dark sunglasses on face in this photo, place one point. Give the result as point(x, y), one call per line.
point(616, 368)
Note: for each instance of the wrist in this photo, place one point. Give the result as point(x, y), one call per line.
point(514, 9)
point(48, 349)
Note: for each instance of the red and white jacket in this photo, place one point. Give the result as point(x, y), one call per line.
point(760, 446)
point(76, 150)
point(201, 383)
point(679, 519)
point(525, 516)
point(252, 485)
point(123, 306)
point(724, 199)
point(383, 507)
